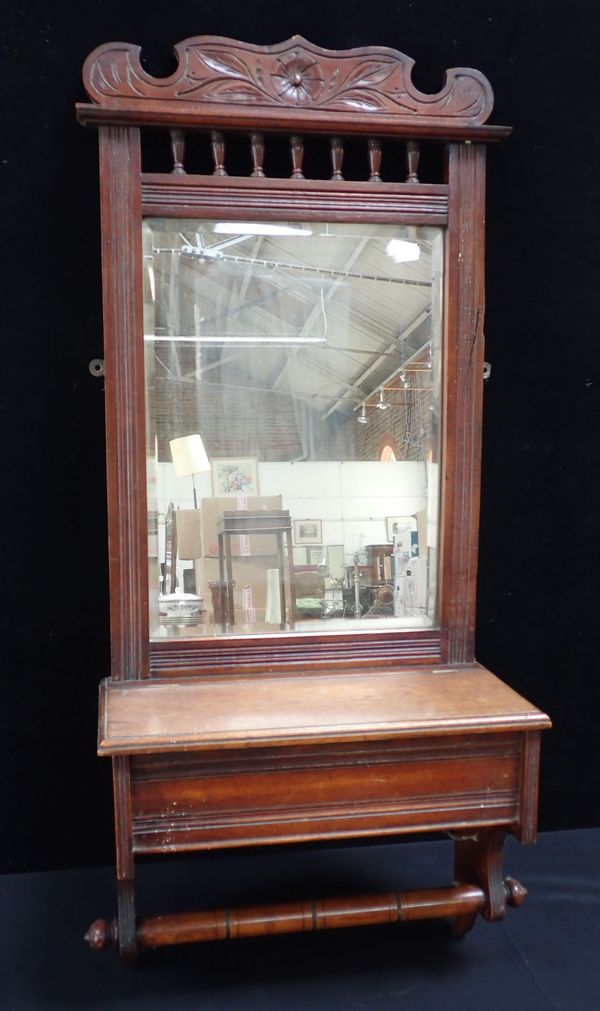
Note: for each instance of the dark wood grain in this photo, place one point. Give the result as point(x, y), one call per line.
point(297, 156)
point(323, 914)
point(257, 147)
point(167, 115)
point(297, 737)
point(478, 859)
point(413, 153)
point(374, 160)
point(258, 653)
point(217, 143)
point(463, 366)
point(295, 917)
point(178, 151)
point(124, 857)
point(148, 716)
point(205, 800)
point(337, 158)
point(294, 74)
point(121, 218)
point(530, 771)
point(296, 199)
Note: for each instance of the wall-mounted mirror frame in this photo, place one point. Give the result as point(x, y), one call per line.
point(389, 128)
point(357, 733)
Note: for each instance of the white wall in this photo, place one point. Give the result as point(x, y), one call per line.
point(353, 500)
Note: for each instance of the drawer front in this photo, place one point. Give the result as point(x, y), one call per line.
point(235, 798)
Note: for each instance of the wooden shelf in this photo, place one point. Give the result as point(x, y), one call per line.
point(145, 717)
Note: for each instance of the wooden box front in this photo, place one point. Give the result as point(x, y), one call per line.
point(239, 797)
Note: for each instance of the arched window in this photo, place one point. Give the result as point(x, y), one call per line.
point(388, 449)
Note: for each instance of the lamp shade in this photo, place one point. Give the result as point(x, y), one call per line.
point(189, 455)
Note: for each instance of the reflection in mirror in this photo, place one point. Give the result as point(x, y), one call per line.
point(292, 406)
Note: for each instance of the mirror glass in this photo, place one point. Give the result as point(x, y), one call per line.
point(293, 410)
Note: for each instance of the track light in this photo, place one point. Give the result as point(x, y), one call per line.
point(381, 404)
point(362, 418)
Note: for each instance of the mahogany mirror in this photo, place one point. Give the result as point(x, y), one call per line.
point(294, 381)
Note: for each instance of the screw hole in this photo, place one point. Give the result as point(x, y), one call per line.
point(96, 367)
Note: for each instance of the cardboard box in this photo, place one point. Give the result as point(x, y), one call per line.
point(189, 533)
point(211, 510)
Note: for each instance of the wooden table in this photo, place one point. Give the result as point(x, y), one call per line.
point(235, 523)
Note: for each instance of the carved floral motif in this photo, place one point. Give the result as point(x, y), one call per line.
point(293, 74)
point(297, 78)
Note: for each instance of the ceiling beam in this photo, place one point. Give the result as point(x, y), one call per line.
point(318, 308)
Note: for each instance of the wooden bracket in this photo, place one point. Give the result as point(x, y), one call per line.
point(478, 858)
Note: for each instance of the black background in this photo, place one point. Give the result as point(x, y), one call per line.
point(538, 597)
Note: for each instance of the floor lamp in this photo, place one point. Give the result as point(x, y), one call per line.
point(189, 458)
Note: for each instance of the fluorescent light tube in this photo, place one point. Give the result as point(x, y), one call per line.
point(258, 339)
point(257, 228)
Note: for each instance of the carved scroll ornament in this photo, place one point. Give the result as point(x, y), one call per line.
point(292, 74)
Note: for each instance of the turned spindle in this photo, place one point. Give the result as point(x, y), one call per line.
point(177, 151)
point(412, 161)
point(374, 160)
point(337, 157)
point(458, 901)
point(217, 142)
point(297, 153)
point(257, 148)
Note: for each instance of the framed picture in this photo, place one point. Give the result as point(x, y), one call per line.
point(232, 477)
point(401, 522)
point(317, 556)
point(308, 532)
